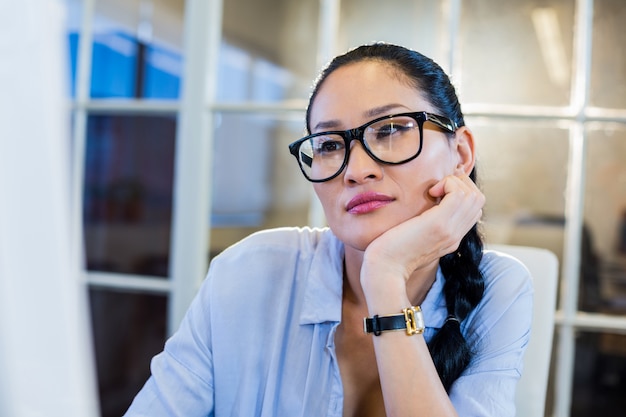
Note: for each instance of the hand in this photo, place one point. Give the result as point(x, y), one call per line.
point(422, 240)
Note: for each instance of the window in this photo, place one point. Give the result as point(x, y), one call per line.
point(159, 127)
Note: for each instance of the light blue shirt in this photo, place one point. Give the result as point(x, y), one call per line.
point(258, 340)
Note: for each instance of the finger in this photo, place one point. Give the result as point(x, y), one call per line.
point(461, 206)
point(444, 186)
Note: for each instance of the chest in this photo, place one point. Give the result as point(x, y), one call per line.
point(359, 373)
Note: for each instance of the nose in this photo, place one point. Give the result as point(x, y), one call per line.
point(361, 167)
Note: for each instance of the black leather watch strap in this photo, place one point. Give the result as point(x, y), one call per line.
point(411, 320)
point(378, 324)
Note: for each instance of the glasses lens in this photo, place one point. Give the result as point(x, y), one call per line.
point(321, 156)
point(393, 140)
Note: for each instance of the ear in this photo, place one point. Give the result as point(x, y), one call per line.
point(464, 146)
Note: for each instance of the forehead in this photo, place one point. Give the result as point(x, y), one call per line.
point(350, 93)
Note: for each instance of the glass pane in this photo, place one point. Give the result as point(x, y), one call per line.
point(129, 329)
point(257, 182)
point(516, 52)
point(423, 26)
point(522, 169)
point(599, 375)
point(128, 193)
point(604, 270)
point(137, 49)
point(163, 35)
point(73, 22)
point(269, 50)
point(608, 67)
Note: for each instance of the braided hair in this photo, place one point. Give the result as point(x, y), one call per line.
point(464, 282)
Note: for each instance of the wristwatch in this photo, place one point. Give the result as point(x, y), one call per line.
point(411, 320)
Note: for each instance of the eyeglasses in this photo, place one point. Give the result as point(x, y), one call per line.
point(394, 139)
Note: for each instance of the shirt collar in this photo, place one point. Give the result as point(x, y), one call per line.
point(322, 298)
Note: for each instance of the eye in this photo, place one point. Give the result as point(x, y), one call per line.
point(392, 128)
point(328, 145)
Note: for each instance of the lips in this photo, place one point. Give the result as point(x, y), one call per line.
point(368, 202)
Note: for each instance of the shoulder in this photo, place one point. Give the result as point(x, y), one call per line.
point(498, 328)
point(273, 256)
point(507, 300)
point(279, 240)
point(503, 270)
point(270, 274)
point(508, 286)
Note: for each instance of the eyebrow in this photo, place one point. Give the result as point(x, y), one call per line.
point(371, 113)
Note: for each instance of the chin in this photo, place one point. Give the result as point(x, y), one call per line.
point(358, 240)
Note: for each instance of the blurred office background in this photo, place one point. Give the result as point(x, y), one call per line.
point(181, 112)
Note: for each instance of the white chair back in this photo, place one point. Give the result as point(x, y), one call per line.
point(543, 266)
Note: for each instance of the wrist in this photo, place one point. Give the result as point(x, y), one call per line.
point(410, 320)
point(376, 275)
point(385, 294)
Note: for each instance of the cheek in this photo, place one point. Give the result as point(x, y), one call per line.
point(325, 194)
point(438, 150)
point(430, 166)
point(421, 199)
point(319, 190)
point(416, 182)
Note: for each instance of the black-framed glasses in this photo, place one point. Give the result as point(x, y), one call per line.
point(394, 139)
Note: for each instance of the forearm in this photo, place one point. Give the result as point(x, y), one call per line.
point(409, 380)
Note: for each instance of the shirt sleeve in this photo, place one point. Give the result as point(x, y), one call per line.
point(181, 383)
point(498, 331)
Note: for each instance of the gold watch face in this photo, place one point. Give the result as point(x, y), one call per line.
point(414, 320)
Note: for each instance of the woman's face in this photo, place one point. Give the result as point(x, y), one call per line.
point(385, 195)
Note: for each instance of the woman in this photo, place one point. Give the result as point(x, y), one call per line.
point(303, 322)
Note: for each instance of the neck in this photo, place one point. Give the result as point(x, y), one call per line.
point(417, 287)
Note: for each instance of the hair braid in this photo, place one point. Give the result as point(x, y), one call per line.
point(462, 290)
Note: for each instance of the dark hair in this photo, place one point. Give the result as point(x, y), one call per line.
point(464, 282)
